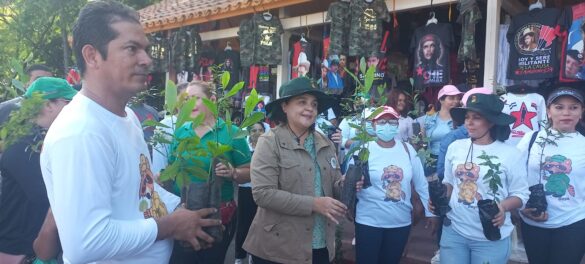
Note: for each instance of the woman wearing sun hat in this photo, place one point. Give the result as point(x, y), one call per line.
point(557, 234)
point(464, 239)
point(295, 173)
point(383, 216)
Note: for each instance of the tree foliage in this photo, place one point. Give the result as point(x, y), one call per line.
point(38, 32)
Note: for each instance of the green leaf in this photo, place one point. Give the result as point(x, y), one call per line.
point(170, 96)
point(369, 80)
point(225, 79)
point(364, 154)
point(218, 149)
point(237, 87)
point(241, 134)
point(251, 102)
point(211, 106)
point(375, 113)
point(153, 123)
point(197, 172)
point(18, 85)
point(185, 112)
point(363, 65)
point(251, 120)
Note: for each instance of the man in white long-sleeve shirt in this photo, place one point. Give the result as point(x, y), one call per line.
point(95, 163)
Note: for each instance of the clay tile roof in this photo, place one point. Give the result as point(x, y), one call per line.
point(175, 13)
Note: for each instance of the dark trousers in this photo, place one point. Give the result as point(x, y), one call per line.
point(320, 256)
point(213, 255)
point(554, 245)
point(375, 245)
point(246, 212)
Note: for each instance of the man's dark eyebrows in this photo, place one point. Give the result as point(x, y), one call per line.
point(136, 43)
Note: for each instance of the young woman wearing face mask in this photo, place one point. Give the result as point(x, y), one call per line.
point(383, 216)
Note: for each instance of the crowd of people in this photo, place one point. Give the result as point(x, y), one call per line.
point(82, 185)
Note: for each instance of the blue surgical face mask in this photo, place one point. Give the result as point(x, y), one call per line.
point(370, 129)
point(386, 132)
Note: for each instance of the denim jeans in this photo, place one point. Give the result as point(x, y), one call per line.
point(455, 248)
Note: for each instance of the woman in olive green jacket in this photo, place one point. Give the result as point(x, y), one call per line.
point(295, 173)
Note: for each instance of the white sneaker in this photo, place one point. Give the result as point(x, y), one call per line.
point(436, 258)
point(353, 241)
point(239, 261)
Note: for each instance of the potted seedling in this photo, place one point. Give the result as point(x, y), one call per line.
point(537, 198)
point(488, 208)
point(187, 155)
point(359, 151)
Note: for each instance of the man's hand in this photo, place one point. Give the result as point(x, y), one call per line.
point(186, 225)
point(329, 208)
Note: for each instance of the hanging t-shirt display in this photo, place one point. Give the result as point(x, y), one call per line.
point(230, 61)
point(366, 31)
point(339, 14)
point(380, 78)
point(246, 43)
point(572, 25)
point(267, 45)
point(533, 45)
point(186, 49)
point(159, 51)
point(529, 110)
point(263, 84)
point(302, 53)
point(431, 45)
point(206, 62)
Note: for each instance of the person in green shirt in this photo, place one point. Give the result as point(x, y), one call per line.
point(238, 170)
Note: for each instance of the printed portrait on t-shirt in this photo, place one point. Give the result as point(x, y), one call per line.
point(533, 43)
point(557, 168)
point(392, 183)
point(430, 55)
point(150, 203)
point(574, 66)
point(468, 174)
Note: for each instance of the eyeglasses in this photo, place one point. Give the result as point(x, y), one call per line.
point(392, 122)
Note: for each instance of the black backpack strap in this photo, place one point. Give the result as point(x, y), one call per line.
point(532, 139)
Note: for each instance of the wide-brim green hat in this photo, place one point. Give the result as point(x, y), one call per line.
point(487, 105)
point(296, 87)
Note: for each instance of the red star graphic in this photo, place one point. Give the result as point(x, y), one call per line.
point(523, 117)
point(419, 71)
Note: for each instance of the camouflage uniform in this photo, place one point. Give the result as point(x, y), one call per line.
point(185, 49)
point(246, 43)
point(340, 16)
point(159, 52)
point(262, 41)
point(469, 16)
point(366, 30)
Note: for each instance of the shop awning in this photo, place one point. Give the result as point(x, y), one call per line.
point(169, 14)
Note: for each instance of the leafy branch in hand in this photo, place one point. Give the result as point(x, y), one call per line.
point(361, 100)
point(492, 177)
point(550, 139)
point(186, 158)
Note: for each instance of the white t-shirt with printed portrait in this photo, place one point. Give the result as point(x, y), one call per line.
point(469, 186)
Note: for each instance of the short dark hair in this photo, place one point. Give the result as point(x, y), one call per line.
point(37, 67)
point(93, 27)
